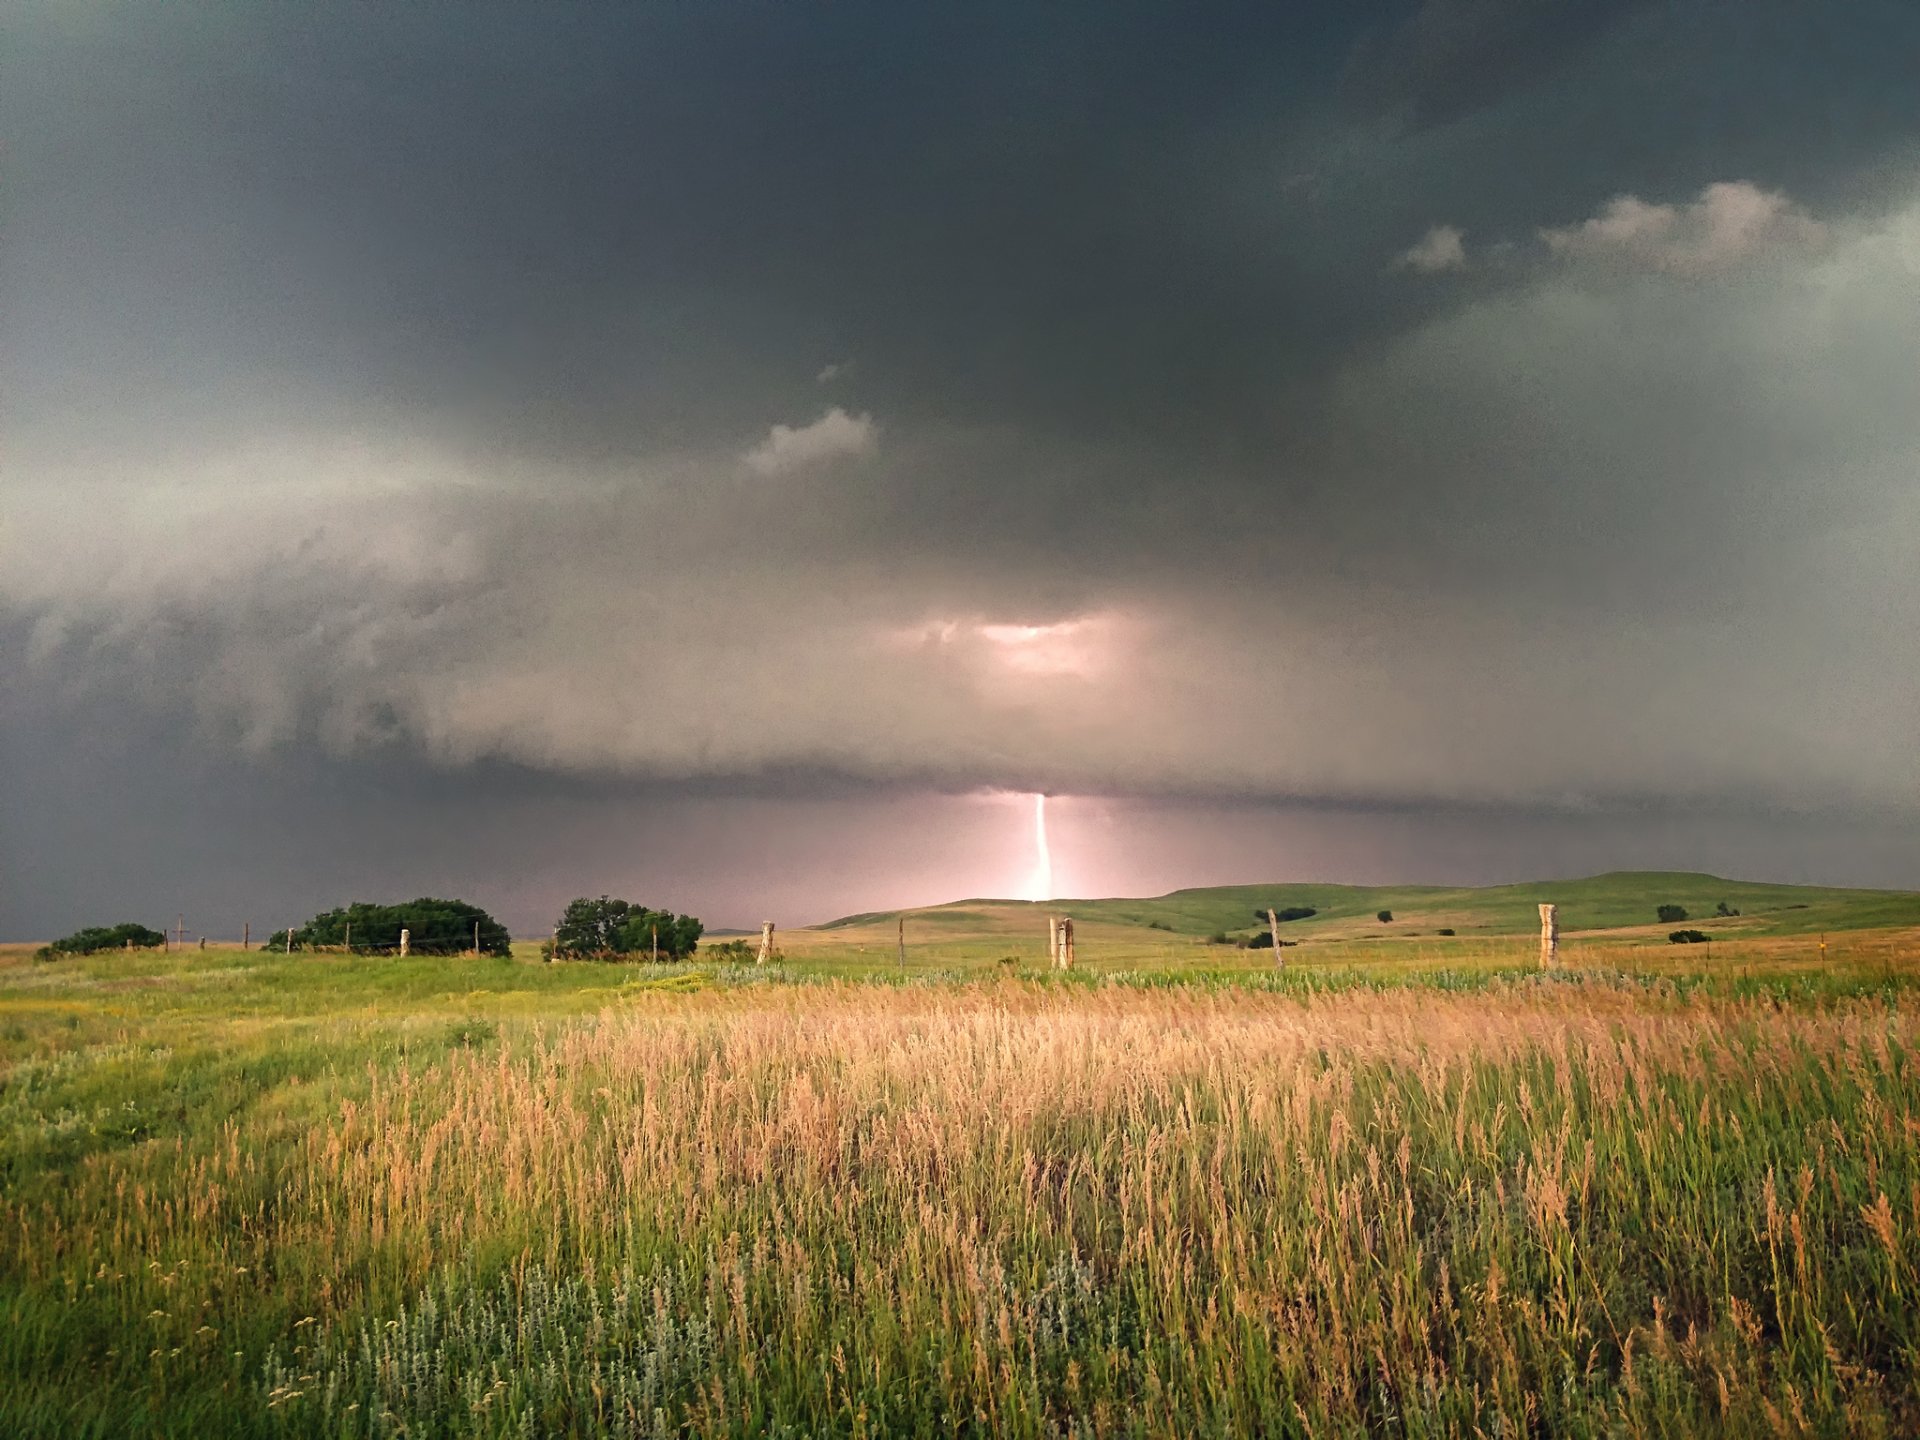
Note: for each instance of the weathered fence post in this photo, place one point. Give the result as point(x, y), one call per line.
point(1273, 926)
point(903, 942)
point(406, 937)
point(1549, 936)
point(246, 935)
point(656, 943)
point(1066, 942)
point(1053, 942)
point(766, 942)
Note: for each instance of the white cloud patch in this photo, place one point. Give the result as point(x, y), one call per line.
point(835, 435)
point(1731, 223)
point(1441, 248)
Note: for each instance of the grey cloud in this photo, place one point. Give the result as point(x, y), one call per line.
point(1481, 587)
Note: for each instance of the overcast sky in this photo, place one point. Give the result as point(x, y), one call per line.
point(726, 454)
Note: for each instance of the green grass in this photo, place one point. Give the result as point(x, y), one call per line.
point(1619, 901)
point(1399, 1187)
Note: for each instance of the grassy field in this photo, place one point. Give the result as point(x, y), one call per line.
point(1406, 1186)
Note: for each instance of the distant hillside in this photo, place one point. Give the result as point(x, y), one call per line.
point(1620, 900)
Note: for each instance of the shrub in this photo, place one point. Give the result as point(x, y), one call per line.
point(1447, 931)
point(1385, 917)
point(1723, 910)
point(96, 938)
point(1219, 937)
point(1671, 914)
point(1689, 937)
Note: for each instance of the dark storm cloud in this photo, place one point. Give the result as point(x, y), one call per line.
point(1449, 58)
point(902, 398)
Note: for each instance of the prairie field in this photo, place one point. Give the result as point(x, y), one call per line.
point(1402, 1189)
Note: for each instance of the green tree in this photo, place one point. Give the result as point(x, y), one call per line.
point(1671, 914)
point(607, 928)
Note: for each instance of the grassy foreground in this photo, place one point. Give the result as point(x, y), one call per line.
point(256, 1195)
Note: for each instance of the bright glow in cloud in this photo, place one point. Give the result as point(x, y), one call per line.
point(1079, 647)
point(1067, 647)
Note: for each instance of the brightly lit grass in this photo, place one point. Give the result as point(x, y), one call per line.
point(1409, 1193)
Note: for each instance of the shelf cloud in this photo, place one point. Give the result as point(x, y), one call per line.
point(481, 424)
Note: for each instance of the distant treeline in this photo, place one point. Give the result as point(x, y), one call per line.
point(603, 929)
point(125, 936)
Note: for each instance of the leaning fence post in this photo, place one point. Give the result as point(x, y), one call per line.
point(1273, 926)
point(1549, 936)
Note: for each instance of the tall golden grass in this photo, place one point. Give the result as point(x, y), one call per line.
point(1558, 1207)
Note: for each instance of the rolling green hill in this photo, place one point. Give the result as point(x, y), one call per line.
point(1621, 900)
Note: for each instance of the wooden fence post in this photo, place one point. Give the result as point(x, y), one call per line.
point(766, 942)
point(406, 937)
point(903, 942)
point(1273, 926)
point(1053, 942)
point(1066, 942)
point(1549, 936)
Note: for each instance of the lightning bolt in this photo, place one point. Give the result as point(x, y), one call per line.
point(1043, 854)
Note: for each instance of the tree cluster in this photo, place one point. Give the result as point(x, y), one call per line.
point(103, 937)
point(434, 927)
point(607, 929)
point(1262, 940)
point(1671, 914)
